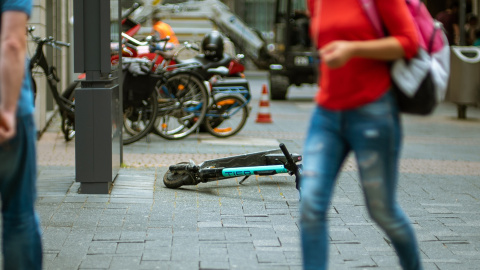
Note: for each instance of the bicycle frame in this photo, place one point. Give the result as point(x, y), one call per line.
point(39, 59)
point(230, 112)
point(232, 90)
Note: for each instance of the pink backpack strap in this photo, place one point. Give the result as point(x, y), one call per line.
point(372, 13)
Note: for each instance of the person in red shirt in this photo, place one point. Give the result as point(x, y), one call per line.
point(356, 112)
point(162, 29)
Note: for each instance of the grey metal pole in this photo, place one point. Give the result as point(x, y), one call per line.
point(97, 103)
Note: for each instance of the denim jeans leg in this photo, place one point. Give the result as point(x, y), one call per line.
point(21, 228)
point(375, 136)
point(323, 155)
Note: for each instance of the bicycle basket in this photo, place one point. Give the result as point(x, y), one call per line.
point(137, 88)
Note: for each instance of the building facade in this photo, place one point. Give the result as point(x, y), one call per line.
point(51, 18)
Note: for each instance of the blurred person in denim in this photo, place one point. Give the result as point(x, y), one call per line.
point(356, 112)
point(22, 248)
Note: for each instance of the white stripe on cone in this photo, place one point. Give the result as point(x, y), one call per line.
point(263, 115)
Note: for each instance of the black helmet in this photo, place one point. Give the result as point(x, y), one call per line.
point(212, 45)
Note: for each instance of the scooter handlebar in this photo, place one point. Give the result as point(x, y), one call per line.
point(292, 166)
point(287, 154)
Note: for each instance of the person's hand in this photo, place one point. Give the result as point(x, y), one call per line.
point(7, 125)
point(335, 54)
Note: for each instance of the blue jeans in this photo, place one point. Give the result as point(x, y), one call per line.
point(22, 248)
point(373, 133)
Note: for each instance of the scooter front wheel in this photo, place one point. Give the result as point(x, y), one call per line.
point(176, 179)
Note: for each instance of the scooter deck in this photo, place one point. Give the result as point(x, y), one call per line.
point(269, 157)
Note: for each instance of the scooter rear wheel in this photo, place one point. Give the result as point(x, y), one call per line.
point(175, 179)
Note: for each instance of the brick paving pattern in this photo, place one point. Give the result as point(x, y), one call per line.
point(225, 225)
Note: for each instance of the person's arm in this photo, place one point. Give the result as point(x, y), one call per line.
point(335, 54)
point(13, 48)
point(402, 41)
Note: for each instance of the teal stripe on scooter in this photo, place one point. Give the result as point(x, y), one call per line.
point(254, 170)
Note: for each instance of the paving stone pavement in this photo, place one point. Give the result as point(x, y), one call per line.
point(225, 225)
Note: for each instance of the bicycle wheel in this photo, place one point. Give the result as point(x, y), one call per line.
point(182, 105)
point(226, 116)
point(68, 117)
point(68, 126)
point(138, 119)
point(34, 89)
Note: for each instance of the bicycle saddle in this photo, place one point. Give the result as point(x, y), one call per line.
point(207, 64)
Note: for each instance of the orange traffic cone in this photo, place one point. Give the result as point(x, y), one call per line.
point(263, 115)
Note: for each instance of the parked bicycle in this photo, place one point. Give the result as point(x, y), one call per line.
point(139, 99)
point(181, 94)
point(182, 103)
point(153, 91)
point(64, 100)
point(228, 98)
point(229, 107)
point(222, 111)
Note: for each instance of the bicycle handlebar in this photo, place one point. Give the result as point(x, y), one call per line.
point(61, 43)
point(130, 11)
point(191, 46)
point(133, 40)
point(49, 41)
point(128, 60)
point(158, 45)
